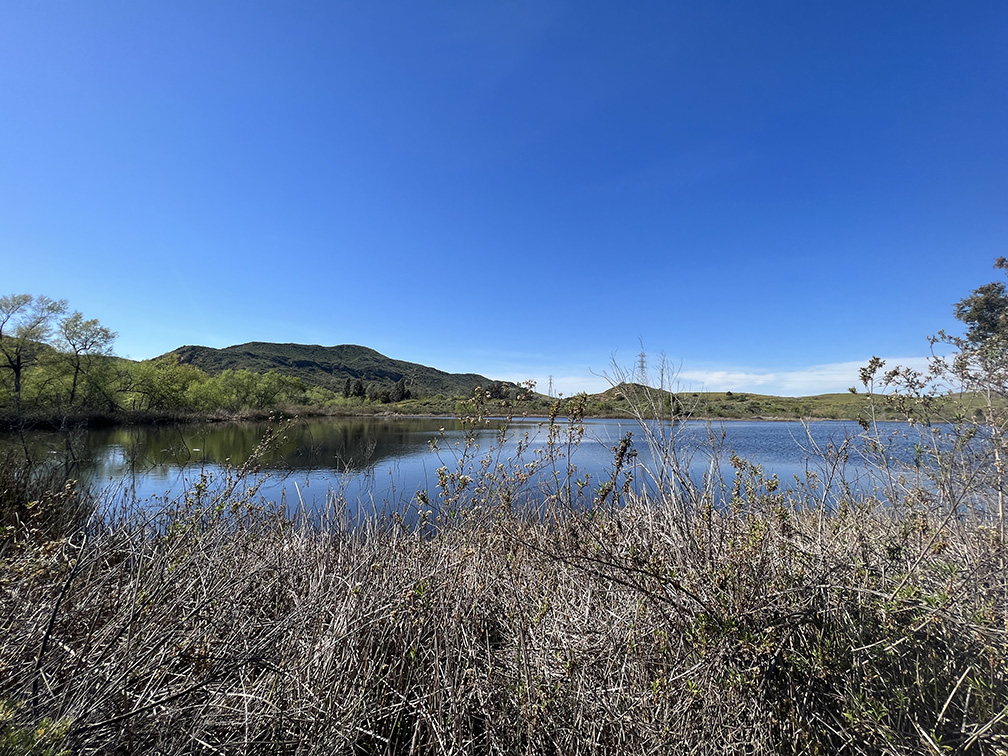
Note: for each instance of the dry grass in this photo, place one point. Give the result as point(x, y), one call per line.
point(698, 617)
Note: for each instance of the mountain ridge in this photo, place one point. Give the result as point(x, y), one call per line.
point(327, 366)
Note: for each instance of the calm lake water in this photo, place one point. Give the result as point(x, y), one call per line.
point(382, 463)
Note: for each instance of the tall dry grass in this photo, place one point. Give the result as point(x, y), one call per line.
point(520, 612)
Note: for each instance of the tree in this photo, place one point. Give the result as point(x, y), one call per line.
point(376, 392)
point(973, 366)
point(272, 387)
point(162, 385)
point(981, 365)
point(81, 341)
point(497, 390)
point(399, 392)
point(235, 389)
point(959, 405)
point(26, 323)
point(981, 353)
point(985, 312)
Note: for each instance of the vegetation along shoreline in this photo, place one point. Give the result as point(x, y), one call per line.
point(514, 609)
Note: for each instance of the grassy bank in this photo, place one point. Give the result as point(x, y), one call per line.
point(725, 615)
point(610, 404)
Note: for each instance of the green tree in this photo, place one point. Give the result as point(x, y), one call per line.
point(82, 343)
point(273, 388)
point(230, 390)
point(497, 390)
point(318, 396)
point(961, 401)
point(980, 364)
point(399, 391)
point(162, 385)
point(981, 354)
point(376, 392)
point(235, 390)
point(985, 311)
point(26, 324)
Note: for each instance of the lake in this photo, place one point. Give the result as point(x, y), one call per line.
point(381, 463)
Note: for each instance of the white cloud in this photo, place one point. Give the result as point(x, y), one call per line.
point(828, 378)
point(835, 377)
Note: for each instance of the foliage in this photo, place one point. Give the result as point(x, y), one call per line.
point(82, 343)
point(26, 323)
point(617, 401)
point(399, 391)
point(234, 390)
point(514, 610)
point(960, 406)
point(60, 370)
point(41, 738)
point(330, 367)
point(39, 500)
point(985, 313)
point(161, 385)
point(53, 361)
point(521, 607)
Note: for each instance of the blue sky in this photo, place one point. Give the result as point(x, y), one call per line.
point(769, 193)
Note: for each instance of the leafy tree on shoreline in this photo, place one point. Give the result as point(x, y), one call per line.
point(160, 385)
point(399, 392)
point(981, 359)
point(959, 398)
point(58, 363)
point(26, 323)
point(81, 341)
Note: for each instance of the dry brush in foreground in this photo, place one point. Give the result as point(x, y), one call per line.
point(695, 617)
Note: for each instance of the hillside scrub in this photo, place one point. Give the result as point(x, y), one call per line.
point(57, 370)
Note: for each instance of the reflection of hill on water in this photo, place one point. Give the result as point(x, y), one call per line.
point(351, 444)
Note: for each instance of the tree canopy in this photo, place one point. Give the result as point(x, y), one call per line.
point(980, 361)
point(985, 311)
point(26, 323)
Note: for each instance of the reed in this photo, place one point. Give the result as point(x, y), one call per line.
point(519, 610)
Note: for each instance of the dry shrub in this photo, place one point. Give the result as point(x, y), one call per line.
point(725, 615)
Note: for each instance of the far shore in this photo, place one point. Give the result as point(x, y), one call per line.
point(135, 418)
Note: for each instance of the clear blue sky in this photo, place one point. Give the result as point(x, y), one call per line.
point(768, 192)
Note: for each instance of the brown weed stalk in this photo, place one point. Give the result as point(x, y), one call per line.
point(720, 615)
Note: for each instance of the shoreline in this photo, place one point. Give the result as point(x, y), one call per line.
point(134, 419)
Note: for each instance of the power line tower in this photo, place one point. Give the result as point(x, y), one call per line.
point(642, 367)
point(549, 391)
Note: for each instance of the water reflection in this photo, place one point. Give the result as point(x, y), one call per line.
point(347, 444)
point(386, 461)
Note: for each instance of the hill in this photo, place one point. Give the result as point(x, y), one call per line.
point(744, 405)
point(329, 367)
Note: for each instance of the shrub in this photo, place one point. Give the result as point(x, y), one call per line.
point(521, 607)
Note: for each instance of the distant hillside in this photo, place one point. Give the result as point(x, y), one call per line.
point(329, 366)
point(743, 405)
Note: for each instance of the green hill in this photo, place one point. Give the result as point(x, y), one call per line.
point(742, 405)
point(329, 366)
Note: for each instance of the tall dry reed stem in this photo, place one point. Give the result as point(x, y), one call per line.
point(725, 614)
